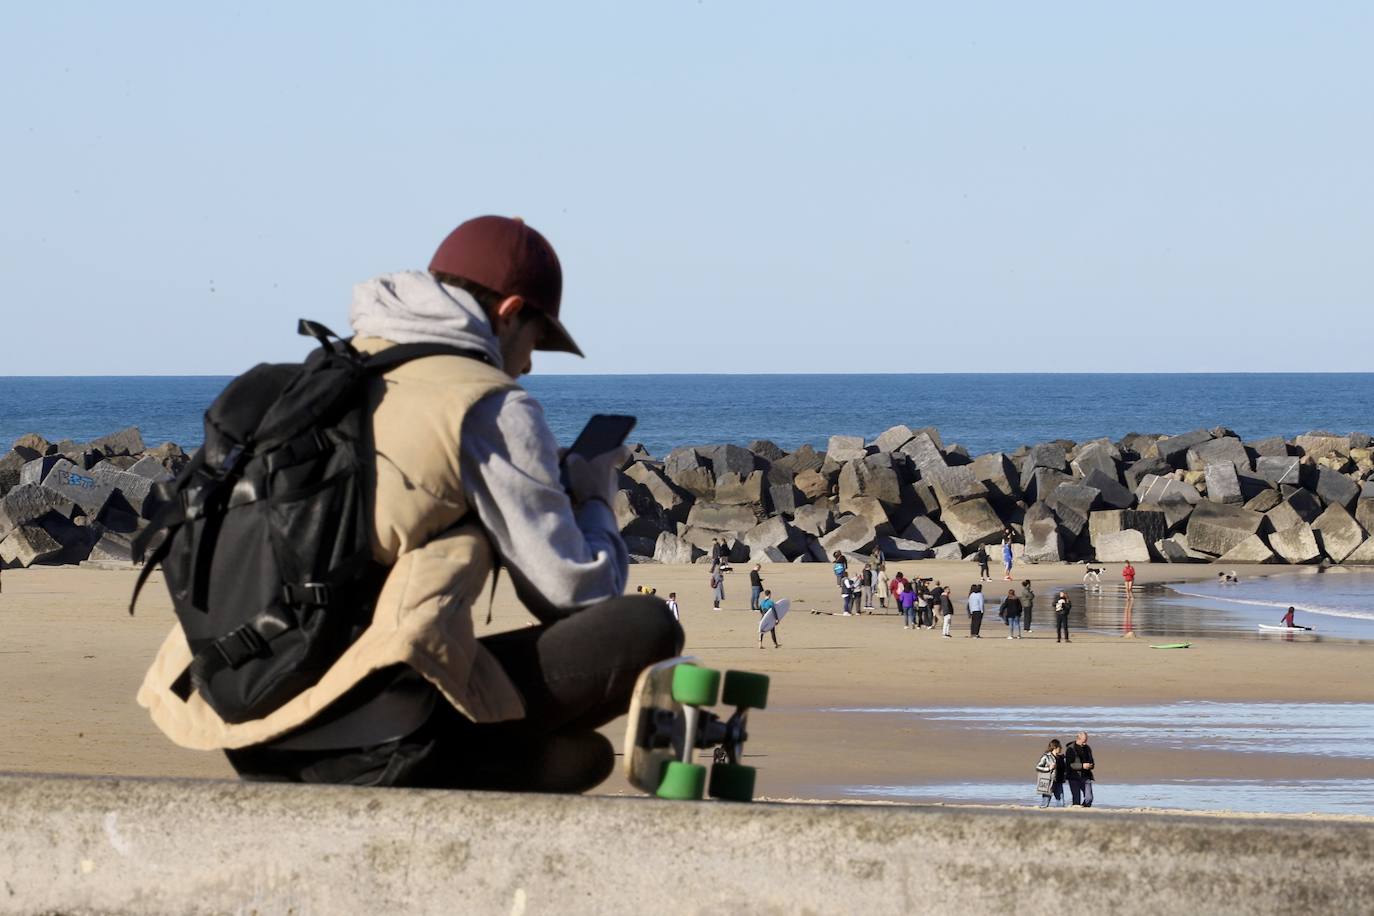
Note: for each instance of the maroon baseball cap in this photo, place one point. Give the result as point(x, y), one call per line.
point(511, 259)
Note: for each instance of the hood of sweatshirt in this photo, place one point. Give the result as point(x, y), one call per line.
point(413, 307)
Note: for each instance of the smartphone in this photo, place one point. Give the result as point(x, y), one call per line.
point(602, 433)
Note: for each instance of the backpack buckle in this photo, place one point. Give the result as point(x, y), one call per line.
point(315, 594)
point(241, 645)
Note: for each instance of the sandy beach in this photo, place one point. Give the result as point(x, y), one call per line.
point(71, 659)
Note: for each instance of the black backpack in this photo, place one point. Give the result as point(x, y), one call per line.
point(266, 535)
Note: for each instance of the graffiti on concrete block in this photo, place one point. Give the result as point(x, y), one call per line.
point(80, 481)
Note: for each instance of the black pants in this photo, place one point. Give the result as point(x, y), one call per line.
point(1061, 626)
point(975, 623)
point(1026, 617)
point(575, 675)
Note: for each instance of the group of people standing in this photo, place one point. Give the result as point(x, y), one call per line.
point(918, 600)
point(1017, 611)
point(1072, 763)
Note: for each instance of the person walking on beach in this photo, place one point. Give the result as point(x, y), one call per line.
point(922, 602)
point(1078, 757)
point(1046, 771)
point(933, 605)
point(896, 587)
point(1128, 576)
point(880, 588)
point(982, 557)
point(1011, 607)
point(1062, 606)
point(1061, 773)
point(866, 588)
point(766, 605)
point(975, 610)
point(946, 612)
point(755, 586)
point(672, 606)
point(848, 592)
point(906, 601)
point(1027, 602)
point(717, 587)
point(1006, 554)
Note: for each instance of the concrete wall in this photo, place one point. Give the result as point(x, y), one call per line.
point(75, 845)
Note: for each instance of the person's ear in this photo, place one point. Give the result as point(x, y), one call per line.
point(507, 311)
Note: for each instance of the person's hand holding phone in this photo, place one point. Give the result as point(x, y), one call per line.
point(593, 478)
point(591, 463)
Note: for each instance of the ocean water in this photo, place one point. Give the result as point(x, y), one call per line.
point(983, 412)
point(1301, 729)
point(1256, 796)
point(1295, 731)
point(1335, 602)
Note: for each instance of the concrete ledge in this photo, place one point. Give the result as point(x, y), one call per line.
point(76, 845)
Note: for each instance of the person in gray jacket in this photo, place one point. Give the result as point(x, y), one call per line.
point(975, 610)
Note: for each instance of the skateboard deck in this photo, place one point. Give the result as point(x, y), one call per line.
point(668, 723)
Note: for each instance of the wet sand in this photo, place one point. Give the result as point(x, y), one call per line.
point(71, 660)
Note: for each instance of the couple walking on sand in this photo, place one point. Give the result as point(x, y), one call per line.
point(1071, 763)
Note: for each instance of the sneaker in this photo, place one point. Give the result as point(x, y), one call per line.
point(1011, 637)
point(905, 627)
point(846, 614)
point(947, 636)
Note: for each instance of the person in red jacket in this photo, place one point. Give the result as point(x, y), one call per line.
point(1128, 575)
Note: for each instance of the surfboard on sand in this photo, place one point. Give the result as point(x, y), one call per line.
point(1279, 628)
point(1174, 645)
point(774, 614)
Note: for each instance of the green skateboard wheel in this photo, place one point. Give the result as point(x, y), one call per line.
point(732, 782)
point(745, 688)
point(693, 686)
point(682, 781)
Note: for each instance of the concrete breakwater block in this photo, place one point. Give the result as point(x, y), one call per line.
point(1217, 493)
point(171, 846)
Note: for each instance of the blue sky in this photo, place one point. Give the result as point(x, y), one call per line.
point(732, 187)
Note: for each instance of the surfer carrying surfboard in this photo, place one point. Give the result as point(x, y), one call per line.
point(769, 615)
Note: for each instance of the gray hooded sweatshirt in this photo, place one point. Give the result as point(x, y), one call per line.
point(560, 558)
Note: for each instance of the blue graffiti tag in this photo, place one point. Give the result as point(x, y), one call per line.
point(78, 480)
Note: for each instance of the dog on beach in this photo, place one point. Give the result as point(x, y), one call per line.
point(1093, 577)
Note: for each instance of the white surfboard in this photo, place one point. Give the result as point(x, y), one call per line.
point(775, 613)
point(1270, 627)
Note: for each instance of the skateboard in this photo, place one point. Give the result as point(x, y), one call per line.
point(668, 724)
